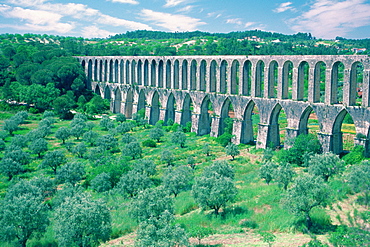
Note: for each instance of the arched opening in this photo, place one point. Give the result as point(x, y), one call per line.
point(355, 84)
point(343, 133)
point(154, 109)
point(146, 73)
point(187, 109)
point(259, 79)
point(205, 120)
point(116, 70)
point(251, 119)
point(97, 90)
point(247, 81)
point(319, 81)
point(176, 74)
point(141, 101)
point(101, 71)
point(129, 104)
point(117, 101)
point(153, 71)
point(170, 109)
point(308, 122)
point(337, 79)
point(107, 94)
point(111, 71)
point(160, 74)
point(277, 128)
point(184, 74)
point(133, 74)
point(302, 84)
point(287, 80)
point(226, 118)
point(193, 75)
point(89, 74)
point(272, 79)
point(128, 77)
point(105, 72)
point(213, 77)
point(223, 77)
point(140, 72)
point(235, 77)
point(168, 74)
point(96, 69)
point(122, 71)
point(202, 76)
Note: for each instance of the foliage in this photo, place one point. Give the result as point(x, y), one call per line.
point(38, 146)
point(133, 150)
point(267, 171)
point(355, 156)
point(176, 180)
point(107, 142)
point(284, 175)
point(145, 166)
point(71, 173)
point(206, 149)
point(349, 236)
point(101, 182)
point(90, 137)
point(10, 168)
point(53, 159)
point(199, 232)
point(267, 237)
point(133, 183)
point(10, 126)
point(149, 143)
point(80, 149)
point(215, 188)
point(120, 117)
point(167, 157)
point(359, 179)
point(179, 138)
point(306, 193)
point(325, 165)
point(156, 133)
point(81, 221)
point(232, 149)
point(105, 123)
point(224, 139)
point(63, 133)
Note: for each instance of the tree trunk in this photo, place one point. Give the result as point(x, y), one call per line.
point(308, 221)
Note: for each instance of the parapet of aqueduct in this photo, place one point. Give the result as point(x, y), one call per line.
point(183, 88)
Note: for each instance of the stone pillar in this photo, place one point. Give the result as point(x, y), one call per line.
point(178, 117)
point(295, 83)
point(366, 89)
point(194, 123)
point(246, 134)
point(290, 135)
point(348, 97)
point(330, 92)
point(134, 108)
point(326, 141)
point(241, 81)
point(162, 114)
point(229, 79)
point(255, 87)
point(281, 86)
point(214, 127)
point(311, 85)
point(237, 130)
point(266, 82)
point(208, 77)
point(262, 140)
point(180, 76)
point(268, 136)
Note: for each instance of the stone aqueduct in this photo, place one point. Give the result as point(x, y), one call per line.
point(183, 88)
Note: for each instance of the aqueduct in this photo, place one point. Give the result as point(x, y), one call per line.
point(204, 89)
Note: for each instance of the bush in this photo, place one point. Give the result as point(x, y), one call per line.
point(149, 143)
point(224, 139)
point(355, 156)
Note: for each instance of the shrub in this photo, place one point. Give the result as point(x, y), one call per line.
point(149, 143)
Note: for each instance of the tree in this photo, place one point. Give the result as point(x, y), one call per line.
point(325, 165)
point(81, 221)
point(133, 150)
point(10, 168)
point(101, 182)
point(267, 237)
point(19, 141)
point(232, 149)
point(97, 105)
point(132, 183)
point(306, 193)
point(53, 159)
point(78, 130)
point(284, 175)
point(359, 179)
point(120, 117)
point(38, 146)
point(156, 133)
point(10, 126)
point(23, 213)
point(17, 154)
point(104, 122)
point(206, 149)
point(268, 170)
point(71, 173)
point(215, 188)
point(107, 142)
point(145, 166)
point(167, 157)
point(90, 137)
point(128, 138)
point(199, 232)
point(179, 137)
point(160, 231)
point(177, 180)
point(80, 149)
point(63, 133)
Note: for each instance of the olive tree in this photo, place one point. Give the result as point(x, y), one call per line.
point(325, 165)
point(177, 180)
point(132, 183)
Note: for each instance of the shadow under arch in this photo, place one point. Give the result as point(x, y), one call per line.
point(129, 103)
point(170, 109)
point(154, 109)
point(107, 93)
point(141, 103)
point(273, 138)
point(226, 112)
point(117, 101)
point(303, 121)
point(247, 135)
point(205, 120)
point(186, 110)
point(337, 134)
point(97, 90)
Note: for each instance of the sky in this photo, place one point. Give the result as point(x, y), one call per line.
point(325, 19)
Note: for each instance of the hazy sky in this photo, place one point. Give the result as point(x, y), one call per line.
point(100, 18)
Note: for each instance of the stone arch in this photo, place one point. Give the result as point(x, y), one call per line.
point(133, 74)
point(273, 136)
point(116, 70)
point(205, 119)
point(154, 109)
point(101, 74)
point(122, 71)
point(105, 71)
point(146, 73)
point(186, 110)
point(160, 74)
point(226, 112)
point(223, 77)
point(259, 79)
point(184, 74)
point(153, 73)
point(141, 103)
point(107, 93)
point(272, 79)
point(302, 83)
point(117, 101)
point(319, 82)
point(139, 72)
point(355, 84)
point(89, 74)
point(97, 90)
point(128, 72)
point(247, 135)
point(111, 71)
point(168, 74)
point(213, 76)
point(337, 134)
point(234, 84)
point(170, 108)
point(193, 75)
point(337, 75)
point(202, 76)
point(287, 80)
point(176, 74)
point(129, 103)
point(303, 121)
point(247, 80)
